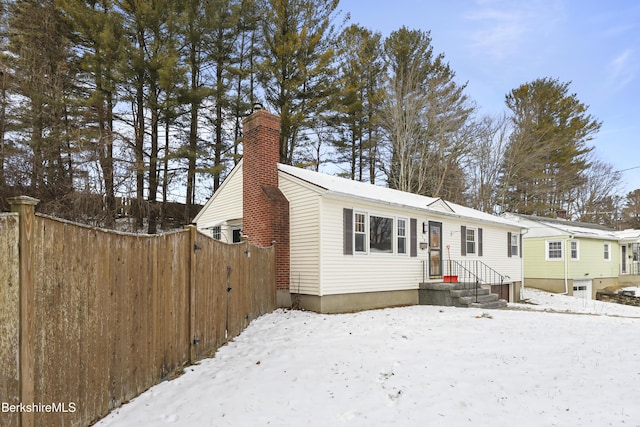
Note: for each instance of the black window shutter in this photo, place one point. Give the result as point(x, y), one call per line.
point(413, 232)
point(509, 244)
point(479, 241)
point(463, 240)
point(348, 231)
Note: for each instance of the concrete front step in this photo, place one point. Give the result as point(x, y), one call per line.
point(469, 292)
point(480, 299)
point(458, 295)
point(501, 303)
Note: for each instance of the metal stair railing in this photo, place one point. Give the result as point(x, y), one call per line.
point(476, 271)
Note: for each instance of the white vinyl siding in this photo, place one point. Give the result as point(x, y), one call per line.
point(494, 253)
point(358, 273)
point(304, 235)
point(385, 272)
point(225, 208)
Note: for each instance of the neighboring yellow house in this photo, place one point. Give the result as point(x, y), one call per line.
point(572, 258)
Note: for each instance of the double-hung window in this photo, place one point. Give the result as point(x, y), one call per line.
point(471, 241)
point(515, 244)
point(554, 250)
point(402, 236)
point(360, 232)
point(216, 232)
point(607, 252)
point(574, 250)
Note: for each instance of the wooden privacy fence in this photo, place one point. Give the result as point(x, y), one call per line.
point(91, 318)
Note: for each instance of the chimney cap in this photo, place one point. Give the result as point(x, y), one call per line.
point(257, 106)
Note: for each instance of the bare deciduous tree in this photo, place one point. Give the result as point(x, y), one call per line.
point(483, 166)
point(595, 201)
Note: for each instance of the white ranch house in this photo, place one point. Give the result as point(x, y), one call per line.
point(353, 245)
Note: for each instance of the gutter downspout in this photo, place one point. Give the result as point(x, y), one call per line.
point(526, 230)
point(566, 264)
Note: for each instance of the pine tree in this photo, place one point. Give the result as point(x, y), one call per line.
point(152, 69)
point(243, 96)
point(44, 77)
point(547, 151)
point(296, 68)
point(361, 70)
point(225, 17)
point(195, 28)
point(98, 31)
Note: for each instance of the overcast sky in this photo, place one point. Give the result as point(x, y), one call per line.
point(497, 45)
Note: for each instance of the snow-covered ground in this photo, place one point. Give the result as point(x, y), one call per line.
point(414, 366)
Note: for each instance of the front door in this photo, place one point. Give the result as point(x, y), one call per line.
point(435, 250)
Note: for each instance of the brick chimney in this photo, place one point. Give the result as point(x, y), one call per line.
point(265, 209)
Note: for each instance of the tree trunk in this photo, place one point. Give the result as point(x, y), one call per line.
point(193, 134)
point(139, 150)
point(153, 160)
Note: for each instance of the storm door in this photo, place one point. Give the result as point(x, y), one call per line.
point(435, 250)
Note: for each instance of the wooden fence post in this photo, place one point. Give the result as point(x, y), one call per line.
point(192, 293)
point(25, 207)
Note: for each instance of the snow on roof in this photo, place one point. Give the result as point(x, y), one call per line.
point(376, 193)
point(578, 229)
point(629, 234)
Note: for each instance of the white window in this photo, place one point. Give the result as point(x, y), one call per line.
point(574, 250)
point(607, 251)
point(554, 250)
point(380, 234)
point(360, 232)
point(515, 244)
point(402, 236)
point(216, 232)
point(471, 241)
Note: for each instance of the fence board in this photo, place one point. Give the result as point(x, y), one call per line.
point(9, 316)
point(112, 311)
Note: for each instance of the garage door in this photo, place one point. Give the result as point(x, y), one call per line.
point(582, 288)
